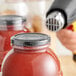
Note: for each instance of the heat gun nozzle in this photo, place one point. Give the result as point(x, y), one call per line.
point(55, 21)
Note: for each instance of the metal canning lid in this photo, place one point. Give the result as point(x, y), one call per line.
point(11, 19)
point(30, 39)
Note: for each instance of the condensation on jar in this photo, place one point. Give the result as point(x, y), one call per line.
point(9, 26)
point(30, 57)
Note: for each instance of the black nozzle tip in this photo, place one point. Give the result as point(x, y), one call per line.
point(74, 57)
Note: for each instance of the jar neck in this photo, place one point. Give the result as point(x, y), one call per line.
point(12, 27)
point(31, 49)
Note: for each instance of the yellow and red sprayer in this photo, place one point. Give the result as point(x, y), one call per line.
point(62, 14)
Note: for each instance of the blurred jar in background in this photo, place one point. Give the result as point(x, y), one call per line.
point(9, 26)
point(37, 14)
point(13, 7)
point(17, 7)
point(36, 10)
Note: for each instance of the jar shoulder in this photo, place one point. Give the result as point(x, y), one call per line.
point(38, 56)
point(35, 61)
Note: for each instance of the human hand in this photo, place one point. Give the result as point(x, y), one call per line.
point(67, 38)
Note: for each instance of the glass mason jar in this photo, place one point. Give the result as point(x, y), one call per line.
point(30, 57)
point(9, 26)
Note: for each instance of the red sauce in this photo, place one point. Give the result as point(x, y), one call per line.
point(32, 64)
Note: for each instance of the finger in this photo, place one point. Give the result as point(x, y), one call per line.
point(71, 47)
point(66, 34)
point(69, 41)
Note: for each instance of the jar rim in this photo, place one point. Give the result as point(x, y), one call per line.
point(30, 39)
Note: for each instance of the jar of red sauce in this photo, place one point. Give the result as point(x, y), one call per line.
point(9, 26)
point(30, 57)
